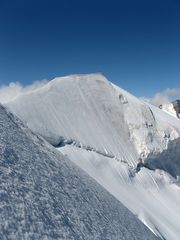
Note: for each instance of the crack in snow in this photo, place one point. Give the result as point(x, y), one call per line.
point(63, 142)
point(75, 143)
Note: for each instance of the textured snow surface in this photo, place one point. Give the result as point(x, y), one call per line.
point(129, 147)
point(43, 195)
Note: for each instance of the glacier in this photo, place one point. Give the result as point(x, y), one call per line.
point(128, 146)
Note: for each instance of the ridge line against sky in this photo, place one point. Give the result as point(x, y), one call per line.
point(134, 43)
point(15, 89)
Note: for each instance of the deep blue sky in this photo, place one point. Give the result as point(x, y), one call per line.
point(135, 43)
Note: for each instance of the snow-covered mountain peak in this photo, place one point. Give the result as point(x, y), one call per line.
point(122, 142)
point(78, 108)
point(90, 110)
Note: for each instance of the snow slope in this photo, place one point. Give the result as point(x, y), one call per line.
point(116, 138)
point(153, 196)
point(43, 195)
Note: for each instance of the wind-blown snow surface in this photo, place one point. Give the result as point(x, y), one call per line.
point(115, 138)
point(43, 195)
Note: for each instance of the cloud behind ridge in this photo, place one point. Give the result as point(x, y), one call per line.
point(14, 89)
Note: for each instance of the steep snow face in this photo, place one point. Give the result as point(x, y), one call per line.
point(150, 128)
point(82, 108)
point(45, 196)
point(116, 138)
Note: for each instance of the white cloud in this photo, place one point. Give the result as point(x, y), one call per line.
point(163, 97)
point(15, 89)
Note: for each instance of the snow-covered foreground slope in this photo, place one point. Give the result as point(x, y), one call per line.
point(43, 195)
point(117, 139)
